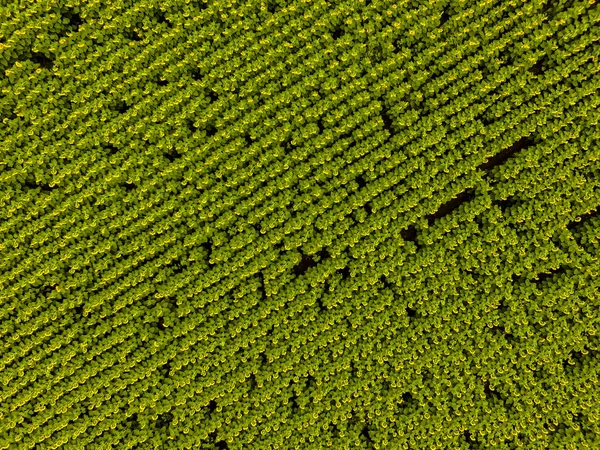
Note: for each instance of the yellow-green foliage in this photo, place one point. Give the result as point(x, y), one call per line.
point(299, 224)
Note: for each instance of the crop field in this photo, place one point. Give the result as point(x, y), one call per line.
point(299, 224)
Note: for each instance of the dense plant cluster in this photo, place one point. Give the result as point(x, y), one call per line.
point(299, 224)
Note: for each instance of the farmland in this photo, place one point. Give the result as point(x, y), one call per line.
point(299, 224)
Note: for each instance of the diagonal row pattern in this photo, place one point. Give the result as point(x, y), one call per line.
point(299, 224)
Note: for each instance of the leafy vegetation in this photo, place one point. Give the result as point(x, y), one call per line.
point(299, 224)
